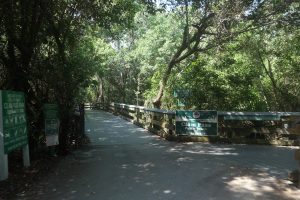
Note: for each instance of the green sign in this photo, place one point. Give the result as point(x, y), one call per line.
point(181, 102)
point(51, 124)
point(182, 93)
point(200, 123)
point(13, 118)
point(50, 111)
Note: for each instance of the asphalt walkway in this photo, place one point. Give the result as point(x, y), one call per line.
point(125, 162)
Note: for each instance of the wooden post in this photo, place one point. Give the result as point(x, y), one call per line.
point(297, 157)
point(3, 156)
point(169, 122)
point(81, 119)
point(26, 157)
point(152, 120)
point(137, 114)
point(149, 120)
point(3, 165)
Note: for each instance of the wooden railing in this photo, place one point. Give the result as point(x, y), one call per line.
point(158, 121)
point(241, 126)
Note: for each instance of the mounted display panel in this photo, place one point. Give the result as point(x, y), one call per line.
point(13, 128)
point(198, 123)
point(13, 117)
point(51, 124)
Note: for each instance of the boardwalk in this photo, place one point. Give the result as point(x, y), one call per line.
point(125, 162)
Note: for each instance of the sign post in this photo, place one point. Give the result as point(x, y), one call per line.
point(3, 156)
point(199, 123)
point(26, 156)
point(13, 128)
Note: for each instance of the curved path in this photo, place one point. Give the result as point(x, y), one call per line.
point(125, 162)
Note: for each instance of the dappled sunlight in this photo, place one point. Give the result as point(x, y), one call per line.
point(118, 126)
point(184, 159)
point(102, 139)
point(125, 166)
point(145, 131)
point(108, 121)
point(261, 185)
point(246, 184)
point(147, 162)
point(205, 150)
point(145, 165)
point(157, 145)
point(148, 184)
point(176, 149)
point(165, 192)
point(136, 130)
point(148, 136)
point(212, 152)
point(144, 177)
point(141, 168)
point(137, 179)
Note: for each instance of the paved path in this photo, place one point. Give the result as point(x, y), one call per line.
point(125, 162)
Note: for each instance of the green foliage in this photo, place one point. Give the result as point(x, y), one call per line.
point(231, 56)
point(220, 83)
point(47, 50)
point(232, 74)
point(273, 52)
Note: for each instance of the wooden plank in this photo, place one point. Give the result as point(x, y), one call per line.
point(131, 115)
point(131, 108)
point(170, 127)
point(158, 123)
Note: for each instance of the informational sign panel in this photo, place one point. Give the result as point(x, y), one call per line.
point(182, 95)
point(199, 123)
point(51, 124)
point(13, 128)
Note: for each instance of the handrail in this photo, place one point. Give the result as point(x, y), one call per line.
point(224, 113)
point(231, 123)
point(220, 113)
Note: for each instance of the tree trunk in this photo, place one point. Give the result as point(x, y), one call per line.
point(275, 88)
point(64, 129)
point(157, 101)
point(100, 91)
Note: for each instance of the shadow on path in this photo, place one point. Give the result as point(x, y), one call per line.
point(126, 162)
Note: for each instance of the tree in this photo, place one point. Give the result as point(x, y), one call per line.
point(156, 37)
point(209, 24)
point(273, 51)
point(43, 51)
